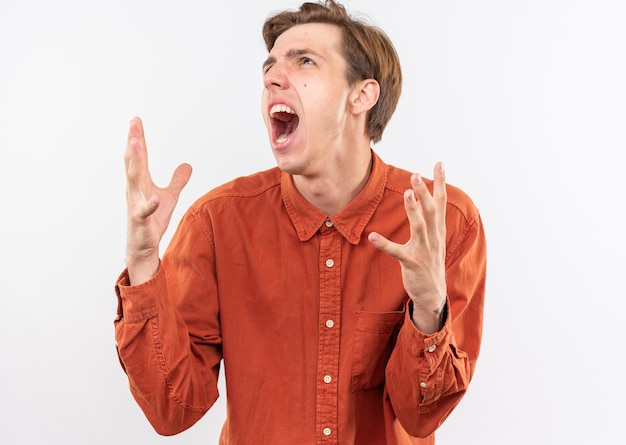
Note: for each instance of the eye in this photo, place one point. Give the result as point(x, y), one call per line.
point(306, 61)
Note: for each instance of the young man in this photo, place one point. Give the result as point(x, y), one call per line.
point(330, 332)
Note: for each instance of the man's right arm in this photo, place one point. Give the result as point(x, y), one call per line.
point(168, 334)
point(172, 367)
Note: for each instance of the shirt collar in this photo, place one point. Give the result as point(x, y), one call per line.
point(351, 221)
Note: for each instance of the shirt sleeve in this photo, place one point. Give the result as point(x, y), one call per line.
point(427, 375)
point(167, 333)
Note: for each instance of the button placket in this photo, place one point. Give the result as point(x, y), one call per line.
point(330, 314)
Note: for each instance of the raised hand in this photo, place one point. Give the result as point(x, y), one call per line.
point(422, 257)
point(149, 208)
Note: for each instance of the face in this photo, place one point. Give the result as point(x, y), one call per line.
point(305, 98)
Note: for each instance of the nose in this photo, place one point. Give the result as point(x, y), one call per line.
point(275, 77)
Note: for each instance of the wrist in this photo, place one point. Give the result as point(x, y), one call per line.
point(141, 269)
point(429, 318)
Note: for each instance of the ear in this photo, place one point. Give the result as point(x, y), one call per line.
point(364, 96)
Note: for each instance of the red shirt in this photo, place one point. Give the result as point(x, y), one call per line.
point(311, 321)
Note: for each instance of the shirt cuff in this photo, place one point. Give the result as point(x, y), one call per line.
point(430, 351)
point(141, 302)
point(423, 345)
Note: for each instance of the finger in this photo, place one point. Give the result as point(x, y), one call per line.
point(414, 214)
point(139, 185)
point(425, 203)
point(440, 194)
point(422, 193)
point(148, 207)
point(180, 178)
point(389, 247)
point(136, 161)
point(135, 131)
point(433, 206)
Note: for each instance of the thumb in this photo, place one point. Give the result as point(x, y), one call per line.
point(180, 178)
point(384, 245)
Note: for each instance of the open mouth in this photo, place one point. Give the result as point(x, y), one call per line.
point(284, 122)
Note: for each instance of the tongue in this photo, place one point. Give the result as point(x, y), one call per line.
point(290, 124)
point(284, 117)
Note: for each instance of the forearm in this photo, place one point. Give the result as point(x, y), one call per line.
point(426, 377)
point(173, 387)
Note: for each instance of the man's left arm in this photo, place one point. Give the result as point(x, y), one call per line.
point(443, 270)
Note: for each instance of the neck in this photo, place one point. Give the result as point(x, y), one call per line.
point(333, 190)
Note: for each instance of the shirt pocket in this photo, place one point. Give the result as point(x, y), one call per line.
point(374, 339)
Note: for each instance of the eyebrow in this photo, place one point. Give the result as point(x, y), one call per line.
point(290, 54)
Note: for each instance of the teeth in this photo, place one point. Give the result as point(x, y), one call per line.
point(281, 108)
point(282, 138)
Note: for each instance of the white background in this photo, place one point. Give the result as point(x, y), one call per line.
point(524, 101)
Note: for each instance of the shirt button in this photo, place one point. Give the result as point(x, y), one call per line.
point(330, 324)
point(327, 379)
point(326, 431)
point(330, 263)
point(423, 384)
point(432, 348)
point(329, 223)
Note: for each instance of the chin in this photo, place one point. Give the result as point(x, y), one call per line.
point(290, 161)
point(289, 168)
point(288, 165)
